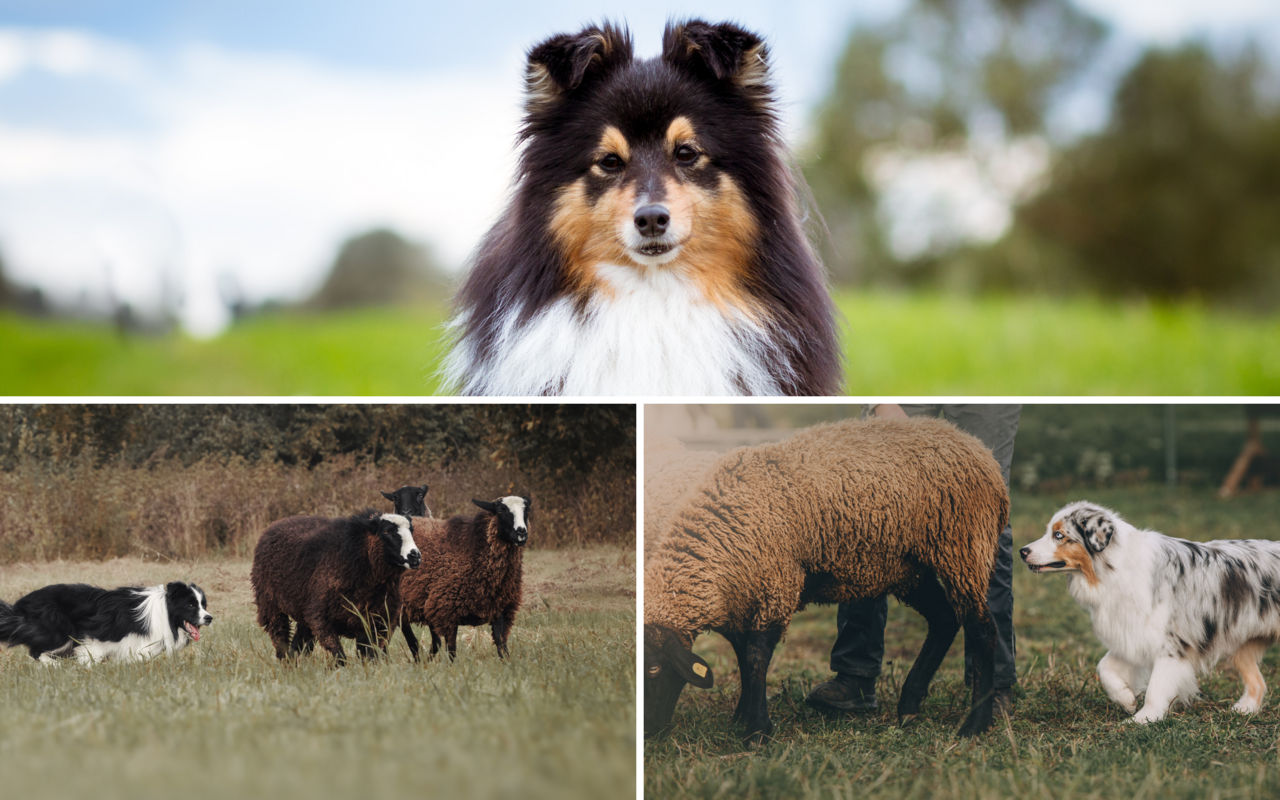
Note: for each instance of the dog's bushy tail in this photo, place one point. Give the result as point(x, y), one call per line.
point(10, 624)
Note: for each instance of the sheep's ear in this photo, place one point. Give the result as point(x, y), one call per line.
point(492, 508)
point(389, 497)
point(562, 63)
point(693, 669)
point(723, 53)
point(425, 488)
point(1095, 526)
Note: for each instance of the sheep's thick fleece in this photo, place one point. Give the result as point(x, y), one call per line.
point(836, 512)
point(670, 472)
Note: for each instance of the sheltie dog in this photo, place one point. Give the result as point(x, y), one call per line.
point(1166, 608)
point(92, 624)
point(654, 242)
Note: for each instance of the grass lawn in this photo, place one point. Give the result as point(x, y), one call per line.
point(915, 345)
point(1065, 741)
point(224, 719)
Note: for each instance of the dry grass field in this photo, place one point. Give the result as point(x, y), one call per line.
point(224, 719)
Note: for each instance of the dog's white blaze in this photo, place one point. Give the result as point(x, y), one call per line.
point(153, 614)
point(656, 336)
point(516, 504)
point(407, 544)
point(202, 602)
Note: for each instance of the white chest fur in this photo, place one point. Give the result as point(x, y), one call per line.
point(654, 333)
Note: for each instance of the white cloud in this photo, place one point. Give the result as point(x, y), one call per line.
point(263, 165)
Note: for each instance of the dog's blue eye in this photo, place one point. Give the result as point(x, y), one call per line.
point(686, 154)
point(611, 163)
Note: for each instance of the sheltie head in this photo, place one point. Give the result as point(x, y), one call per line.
point(664, 176)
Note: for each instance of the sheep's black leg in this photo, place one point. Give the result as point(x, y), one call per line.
point(758, 650)
point(739, 642)
point(303, 640)
point(276, 624)
point(409, 637)
point(500, 629)
point(435, 642)
point(931, 601)
point(980, 638)
point(451, 640)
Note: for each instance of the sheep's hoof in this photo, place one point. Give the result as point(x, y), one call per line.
point(759, 738)
point(906, 719)
point(975, 725)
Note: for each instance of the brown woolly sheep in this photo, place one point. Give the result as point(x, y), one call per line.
point(670, 473)
point(837, 512)
point(335, 577)
point(409, 501)
point(471, 574)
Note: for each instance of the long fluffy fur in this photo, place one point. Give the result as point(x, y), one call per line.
point(555, 304)
point(1167, 609)
point(472, 574)
point(334, 577)
point(836, 512)
point(91, 624)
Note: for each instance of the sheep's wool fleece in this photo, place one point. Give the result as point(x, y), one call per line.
point(467, 573)
point(670, 473)
point(837, 512)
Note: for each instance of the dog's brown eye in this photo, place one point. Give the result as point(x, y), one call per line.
point(686, 154)
point(611, 163)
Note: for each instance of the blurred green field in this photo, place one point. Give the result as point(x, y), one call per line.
point(1066, 740)
point(224, 719)
point(894, 344)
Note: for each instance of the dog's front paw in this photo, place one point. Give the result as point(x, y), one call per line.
point(1146, 715)
point(1247, 707)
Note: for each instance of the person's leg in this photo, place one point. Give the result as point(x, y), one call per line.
point(855, 657)
point(996, 426)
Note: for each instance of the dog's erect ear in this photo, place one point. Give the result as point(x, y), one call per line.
point(562, 63)
point(687, 665)
point(492, 508)
point(722, 52)
point(1095, 526)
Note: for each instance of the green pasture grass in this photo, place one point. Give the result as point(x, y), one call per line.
point(224, 719)
point(1066, 740)
point(893, 344)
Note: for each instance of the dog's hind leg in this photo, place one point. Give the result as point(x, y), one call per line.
point(1171, 679)
point(1246, 663)
point(1117, 676)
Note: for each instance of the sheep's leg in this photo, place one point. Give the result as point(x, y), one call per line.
point(500, 628)
point(365, 645)
point(303, 640)
point(325, 635)
point(739, 641)
point(931, 601)
point(276, 624)
point(758, 650)
point(409, 637)
point(435, 640)
point(980, 641)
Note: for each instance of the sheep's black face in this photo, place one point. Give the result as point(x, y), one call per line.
point(396, 533)
point(513, 518)
point(409, 501)
point(668, 666)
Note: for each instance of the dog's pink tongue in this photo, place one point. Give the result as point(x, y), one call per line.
point(192, 631)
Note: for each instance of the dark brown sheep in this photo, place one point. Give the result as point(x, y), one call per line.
point(334, 577)
point(409, 501)
point(835, 513)
point(471, 574)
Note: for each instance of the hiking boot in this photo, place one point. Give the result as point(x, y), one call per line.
point(1002, 702)
point(845, 693)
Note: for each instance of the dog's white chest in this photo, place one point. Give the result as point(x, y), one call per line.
point(653, 333)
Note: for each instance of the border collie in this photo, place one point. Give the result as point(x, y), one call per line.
point(93, 624)
point(654, 243)
point(1166, 608)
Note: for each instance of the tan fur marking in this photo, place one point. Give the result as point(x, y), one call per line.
point(679, 132)
point(1057, 526)
point(754, 70)
point(1075, 556)
point(722, 242)
point(587, 234)
point(612, 141)
point(1246, 663)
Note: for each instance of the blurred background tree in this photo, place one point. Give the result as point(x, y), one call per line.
point(1176, 196)
point(380, 267)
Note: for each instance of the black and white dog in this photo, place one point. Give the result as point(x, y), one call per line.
point(1167, 609)
point(91, 624)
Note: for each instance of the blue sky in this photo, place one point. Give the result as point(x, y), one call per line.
point(243, 141)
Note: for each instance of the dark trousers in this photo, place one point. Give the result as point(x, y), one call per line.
point(859, 647)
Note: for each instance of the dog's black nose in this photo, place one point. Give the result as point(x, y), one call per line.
point(1026, 551)
point(652, 220)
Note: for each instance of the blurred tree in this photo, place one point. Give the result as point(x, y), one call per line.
point(931, 81)
point(380, 268)
point(1180, 194)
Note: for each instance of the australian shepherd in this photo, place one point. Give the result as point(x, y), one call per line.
point(74, 620)
point(654, 243)
point(1166, 609)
